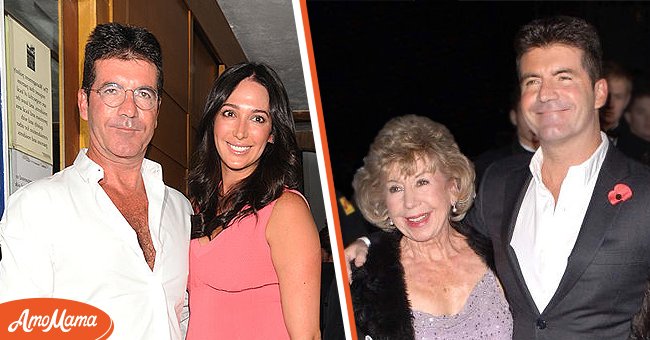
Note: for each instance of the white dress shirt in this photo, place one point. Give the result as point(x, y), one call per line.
point(546, 231)
point(63, 237)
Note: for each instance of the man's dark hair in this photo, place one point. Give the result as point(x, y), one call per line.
point(570, 31)
point(114, 40)
point(640, 89)
point(616, 70)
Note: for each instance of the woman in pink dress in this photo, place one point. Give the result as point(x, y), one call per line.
point(254, 253)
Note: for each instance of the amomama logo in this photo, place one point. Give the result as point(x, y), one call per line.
point(48, 318)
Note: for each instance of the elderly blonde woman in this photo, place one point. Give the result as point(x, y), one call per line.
point(426, 276)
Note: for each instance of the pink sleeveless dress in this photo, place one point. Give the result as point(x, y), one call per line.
point(233, 287)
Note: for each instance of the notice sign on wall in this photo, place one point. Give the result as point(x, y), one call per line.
point(26, 169)
point(29, 97)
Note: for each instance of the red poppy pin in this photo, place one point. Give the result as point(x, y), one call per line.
point(620, 193)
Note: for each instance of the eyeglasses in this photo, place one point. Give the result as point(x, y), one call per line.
point(113, 95)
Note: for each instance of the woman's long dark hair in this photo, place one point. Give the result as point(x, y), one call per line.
point(279, 165)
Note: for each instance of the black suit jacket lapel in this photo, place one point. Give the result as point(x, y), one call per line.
point(598, 219)
point(516, 187)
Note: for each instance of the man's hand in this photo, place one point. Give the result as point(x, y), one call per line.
point(357, 252)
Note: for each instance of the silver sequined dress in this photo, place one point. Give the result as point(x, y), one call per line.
point(485, 316)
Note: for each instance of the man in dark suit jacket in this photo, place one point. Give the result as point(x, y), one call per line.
point(602, 286)
point(571, 227)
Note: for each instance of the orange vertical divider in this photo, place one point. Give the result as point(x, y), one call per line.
point(328, 167)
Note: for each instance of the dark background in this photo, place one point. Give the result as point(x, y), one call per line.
point(453, 62)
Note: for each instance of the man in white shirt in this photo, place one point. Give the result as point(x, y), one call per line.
point(106, 231)
point(570, 230)
point(571, 227)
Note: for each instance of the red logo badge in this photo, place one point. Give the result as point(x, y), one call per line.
point(49, 318)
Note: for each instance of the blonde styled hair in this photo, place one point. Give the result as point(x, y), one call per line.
point(399, 145)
